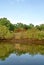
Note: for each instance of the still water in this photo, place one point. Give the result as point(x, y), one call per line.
point(21, 54)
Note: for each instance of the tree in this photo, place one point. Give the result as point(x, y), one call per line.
point(6, 22)
point(37, 27)
point(20, 25)
point(26, 26)
point(4, 32)
point(11, 27)
point(30, 26)
point(42, 27)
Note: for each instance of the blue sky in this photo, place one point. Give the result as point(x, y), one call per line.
point(25, 11)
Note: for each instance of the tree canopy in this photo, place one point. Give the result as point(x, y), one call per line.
point(7, 28)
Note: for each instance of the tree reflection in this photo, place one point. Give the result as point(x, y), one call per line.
point(6, 48)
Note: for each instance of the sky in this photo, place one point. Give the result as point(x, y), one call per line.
point(24, 11)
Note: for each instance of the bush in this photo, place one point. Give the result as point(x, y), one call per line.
point(5, 33)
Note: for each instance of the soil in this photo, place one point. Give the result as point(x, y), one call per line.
point(25, 40)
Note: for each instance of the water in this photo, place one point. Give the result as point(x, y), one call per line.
point(21, 54)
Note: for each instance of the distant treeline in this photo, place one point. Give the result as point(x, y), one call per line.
point(7, 28)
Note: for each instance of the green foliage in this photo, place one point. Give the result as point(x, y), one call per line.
point(37, 27)
point(6, 22)
point(30, 34)
point(42, 27)
point(4, 32)
point(6, 48)
point(26, 26)
point(26, 31)
point(11, 28)
point(30, 26)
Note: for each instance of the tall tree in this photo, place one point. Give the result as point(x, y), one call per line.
point(6, 22)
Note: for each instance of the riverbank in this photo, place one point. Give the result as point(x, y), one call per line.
point(28, 41)
point(21, 33)
point(25, 40)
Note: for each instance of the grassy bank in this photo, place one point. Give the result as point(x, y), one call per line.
point(20, 31)
point(30, 34)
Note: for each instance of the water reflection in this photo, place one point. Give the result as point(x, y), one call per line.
point(7, 48)
point(21, 54)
